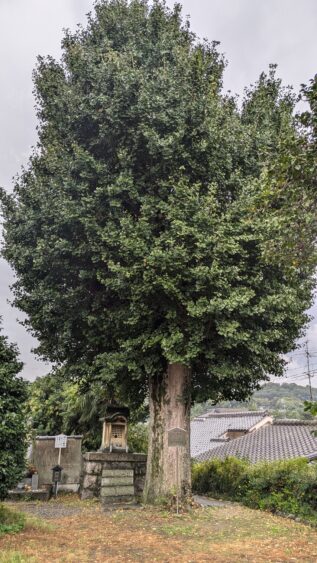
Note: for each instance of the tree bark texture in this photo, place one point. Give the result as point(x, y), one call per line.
point(169, 408)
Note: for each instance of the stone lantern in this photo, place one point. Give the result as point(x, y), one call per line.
point(115, 429)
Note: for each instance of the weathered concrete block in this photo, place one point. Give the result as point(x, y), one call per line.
point(87, 494)
point(114, 481)
point(35, 482)
point(139, 482)
point(117, 473)
point(118, 465)
point(117, 491)
point(90, 481)
point(40, 494)
point(45, 456)
point(93, 467)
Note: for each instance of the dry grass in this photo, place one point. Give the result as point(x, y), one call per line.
point(219, 534)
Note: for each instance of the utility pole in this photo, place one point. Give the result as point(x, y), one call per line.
point(308, 369)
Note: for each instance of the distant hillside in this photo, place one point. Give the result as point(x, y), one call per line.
point(285, 400)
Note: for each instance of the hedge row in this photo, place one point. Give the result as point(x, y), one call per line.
point(288, 487)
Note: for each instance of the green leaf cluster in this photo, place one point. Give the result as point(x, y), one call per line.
point(157, 221)
point(56, 406)
point(13, 427)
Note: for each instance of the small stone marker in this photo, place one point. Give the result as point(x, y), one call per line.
point(35, 482)
point(177, 437)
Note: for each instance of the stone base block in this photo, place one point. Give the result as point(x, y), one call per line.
point(87, 494)
point(119, 503)
point(119, 491)
point(90, 481)
point(113, 475)
point(93, 468)
point(115, 481)
point(40, 494)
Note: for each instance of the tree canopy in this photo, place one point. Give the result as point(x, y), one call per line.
point(13, 427)
point(132, 231)
point(157, 223)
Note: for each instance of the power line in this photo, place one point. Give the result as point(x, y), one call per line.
point(301, 369)
point(308, 370)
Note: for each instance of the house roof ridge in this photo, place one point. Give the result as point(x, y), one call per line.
point(212, 414)
point(285, 439)
point(293, 422)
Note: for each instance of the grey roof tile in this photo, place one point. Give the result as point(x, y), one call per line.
point(281, 440)
point(206, 430)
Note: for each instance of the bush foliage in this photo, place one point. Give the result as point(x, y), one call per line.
point(10, 521)
point(13, 426)
point(288, 486)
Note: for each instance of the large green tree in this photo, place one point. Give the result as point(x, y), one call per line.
point(13, 427)
point(150, 233)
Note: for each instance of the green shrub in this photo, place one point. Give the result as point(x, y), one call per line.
point(13, 426)
point(288, 486)
point(220, 478)
point(138, 437)
point(10, 521)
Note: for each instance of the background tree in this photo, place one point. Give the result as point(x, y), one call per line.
point(285, 400)
point(13, 427)
point(150, 232)
point(56, 406)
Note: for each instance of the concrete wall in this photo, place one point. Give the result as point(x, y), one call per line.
point(44, 456)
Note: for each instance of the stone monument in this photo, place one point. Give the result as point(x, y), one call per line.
point(113, 474)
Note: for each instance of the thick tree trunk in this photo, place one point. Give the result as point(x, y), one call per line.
point(169, 408)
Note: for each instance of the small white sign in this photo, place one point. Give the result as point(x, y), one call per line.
point(61, 441)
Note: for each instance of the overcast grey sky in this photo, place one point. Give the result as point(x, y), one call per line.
point(253, 34)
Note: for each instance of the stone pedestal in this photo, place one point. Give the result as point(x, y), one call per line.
point(113, 477)
point(35, 482)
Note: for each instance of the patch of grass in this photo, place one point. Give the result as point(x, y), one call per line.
point(223, 534)
point(15, 557)
point(10, 520)
point(176, 530)
point(32, 521)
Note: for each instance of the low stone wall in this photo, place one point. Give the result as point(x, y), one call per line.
point(44, 456)
point(113, 476)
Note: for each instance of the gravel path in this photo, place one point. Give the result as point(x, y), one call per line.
point(48, 510)
point(206, 501)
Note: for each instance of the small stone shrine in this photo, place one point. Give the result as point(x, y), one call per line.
point(113, 474)
point(115, 429)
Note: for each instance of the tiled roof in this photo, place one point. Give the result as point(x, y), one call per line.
point(284, 439)
point(206, 431)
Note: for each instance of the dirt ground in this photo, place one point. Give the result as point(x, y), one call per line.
point(76, 531)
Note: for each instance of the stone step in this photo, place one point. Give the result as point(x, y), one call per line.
point(117, 473)
point(119, 490)
point(116, 481)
